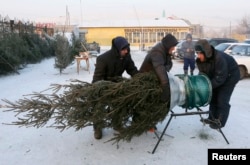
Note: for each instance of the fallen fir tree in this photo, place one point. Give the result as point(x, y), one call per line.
point(80, 104)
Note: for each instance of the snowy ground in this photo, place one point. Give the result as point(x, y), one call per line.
point(187, 144)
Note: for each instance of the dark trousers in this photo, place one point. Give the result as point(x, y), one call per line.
point(219, 106)
point(188, 62)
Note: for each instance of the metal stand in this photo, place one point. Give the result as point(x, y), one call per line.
point(199, 112)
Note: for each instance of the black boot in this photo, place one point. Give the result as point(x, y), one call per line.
point(185, 72)
point(216, 124)
point(207, 121)
point(191, 72)
point(97, 132)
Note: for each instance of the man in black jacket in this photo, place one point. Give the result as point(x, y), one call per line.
point(111, 65)
point(224, 74)
point(159, 60)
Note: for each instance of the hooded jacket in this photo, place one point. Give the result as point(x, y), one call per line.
point(219, 67)
point(188, 45)
point(159, 60)
point(110, 64)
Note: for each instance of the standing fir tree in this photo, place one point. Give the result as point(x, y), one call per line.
point(76, 46)
point(62, 51)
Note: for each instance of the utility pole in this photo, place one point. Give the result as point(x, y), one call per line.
point(81, 10)
point(141, 44)
point(230, 30)
point(67, 21)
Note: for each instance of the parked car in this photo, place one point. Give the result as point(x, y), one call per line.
point(176, 50)
point(178, 53)
point(92, 47)
point(241, 54)
point(217, 41)
point(247, 41)
point(227, 47)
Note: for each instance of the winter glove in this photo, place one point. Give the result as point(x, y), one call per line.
point(116, 79)
point(168, 67)
point(165, 96)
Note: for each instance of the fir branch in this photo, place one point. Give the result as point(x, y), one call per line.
point(132, 104)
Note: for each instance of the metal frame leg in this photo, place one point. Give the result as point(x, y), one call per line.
point(200, 112)
point(218, 129)
point(223, 135)
point(162, 134)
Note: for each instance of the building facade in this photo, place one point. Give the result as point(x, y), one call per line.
point(142, 34)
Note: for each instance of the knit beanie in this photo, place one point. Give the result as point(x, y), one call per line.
point(188, 36)
point(169, 41)
point(120, 43)
point(203, 46)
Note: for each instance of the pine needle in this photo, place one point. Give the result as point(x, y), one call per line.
point(133, 104)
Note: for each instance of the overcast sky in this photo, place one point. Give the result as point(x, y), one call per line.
point(210, 13)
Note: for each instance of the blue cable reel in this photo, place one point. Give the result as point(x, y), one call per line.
point(190, 91)
point(198, 90)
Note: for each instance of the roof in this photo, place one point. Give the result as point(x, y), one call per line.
point(135, 23)
point(233, 43)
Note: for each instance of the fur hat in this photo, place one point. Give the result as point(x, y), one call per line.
point(189, 36)
point(203, 46)
point(120, 43)
point(169, 41)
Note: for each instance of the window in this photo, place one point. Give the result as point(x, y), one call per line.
point(129, 37)
point(152, 37)
point(145, 38)
point(136, 37)
point(160, 35)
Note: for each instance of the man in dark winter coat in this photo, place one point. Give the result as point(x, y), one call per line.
point(189, 54)
point(159, 60)
point(224, 74)
point(111, 65)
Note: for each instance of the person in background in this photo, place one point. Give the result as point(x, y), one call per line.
point(111, 65)
point(224, 74)
point(189, 54)
point(159, 60)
